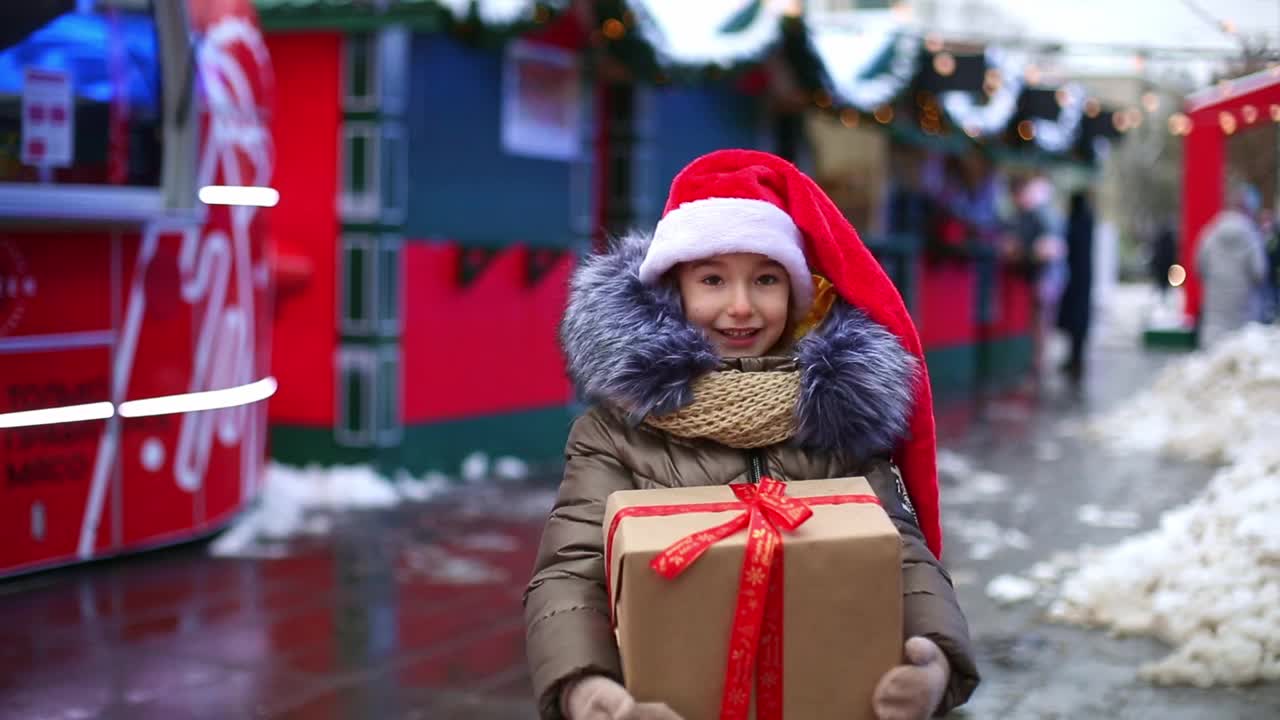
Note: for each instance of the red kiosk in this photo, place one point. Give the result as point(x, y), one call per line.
point(135, 277)
point(1242, 105)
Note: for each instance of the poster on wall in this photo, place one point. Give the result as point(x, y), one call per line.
point(47, 117)
point(541, 114)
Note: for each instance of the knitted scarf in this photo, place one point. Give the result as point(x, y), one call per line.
point(738, 409)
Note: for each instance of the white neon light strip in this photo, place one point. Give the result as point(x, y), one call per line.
point(239, 195)
point(164, 405)
point(196, 401)
point(65, 414)
point(56, 341)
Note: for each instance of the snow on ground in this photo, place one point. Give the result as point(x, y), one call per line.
point(1006, 589)
point(303, 501)
point(434, 563)
point(1207, 579)
point(476, 467)
point(984, 538)
point(298, 501)
point(1218, 405)
point(1207, 582)
point(1131, 308)
point(966, 485)
point(971, 484)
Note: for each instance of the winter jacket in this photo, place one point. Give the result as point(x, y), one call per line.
point(1076, 307)
point(1049, 274)
point(1231, 260)
point(631, 352)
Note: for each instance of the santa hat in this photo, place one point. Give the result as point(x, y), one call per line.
point(750, 201)
point(715, 225)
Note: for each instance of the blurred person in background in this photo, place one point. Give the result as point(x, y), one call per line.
point(1037, 228)
point(1232, 263)
point(966, 207)
point(1164, 253)
point(1271, 285)
point(908, 205)
point(1075, 310)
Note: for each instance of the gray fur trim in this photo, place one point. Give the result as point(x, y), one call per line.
point(857, 385)
point(626, 343)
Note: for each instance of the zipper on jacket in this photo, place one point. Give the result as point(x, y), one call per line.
point(755, 469)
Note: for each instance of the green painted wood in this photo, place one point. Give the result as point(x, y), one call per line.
point(1169, 339)
point(959, 369)
point(952, 370)
point(1005, 361)
point(535, 436)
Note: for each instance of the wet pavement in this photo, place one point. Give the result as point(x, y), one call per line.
point(414, 612)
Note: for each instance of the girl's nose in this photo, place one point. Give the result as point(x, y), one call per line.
point(740, 304)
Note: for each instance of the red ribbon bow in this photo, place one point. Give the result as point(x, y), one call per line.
point(755, 641)
point(757, 620)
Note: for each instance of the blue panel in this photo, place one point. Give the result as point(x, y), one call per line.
point(80, 44)
point(692, 121)
point(462, 185)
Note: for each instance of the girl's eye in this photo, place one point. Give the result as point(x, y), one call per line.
point(767, 279)
point(714, 280)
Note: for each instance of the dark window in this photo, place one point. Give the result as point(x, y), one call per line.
point(357, 284)
point(92, 68)
point(356, 370)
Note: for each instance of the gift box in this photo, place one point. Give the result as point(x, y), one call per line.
point(766, 600)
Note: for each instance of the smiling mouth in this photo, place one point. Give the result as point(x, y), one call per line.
point(738, 333)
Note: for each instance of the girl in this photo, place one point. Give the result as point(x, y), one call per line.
point(754, 333)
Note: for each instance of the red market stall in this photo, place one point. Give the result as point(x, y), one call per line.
point(1245, 104)
point(135, 276)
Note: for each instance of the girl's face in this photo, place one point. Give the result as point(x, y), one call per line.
point(740, 300)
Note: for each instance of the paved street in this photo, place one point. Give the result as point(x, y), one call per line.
point(414, 613)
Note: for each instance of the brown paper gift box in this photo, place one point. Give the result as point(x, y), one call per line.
point(842, 602)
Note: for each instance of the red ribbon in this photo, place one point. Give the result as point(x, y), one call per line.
point(755, 641)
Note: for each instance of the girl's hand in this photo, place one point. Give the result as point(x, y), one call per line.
point(913, 691)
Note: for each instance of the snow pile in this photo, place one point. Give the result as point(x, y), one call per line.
point(1007, 589)
point(1096, 516)
point(1222, 405)
point(1207, 582)
point(295, 501)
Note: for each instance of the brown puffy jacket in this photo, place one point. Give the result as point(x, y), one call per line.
point(567, 607)
point(631, 353)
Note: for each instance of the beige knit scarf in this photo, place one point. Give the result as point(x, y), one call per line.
point(738, 409)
